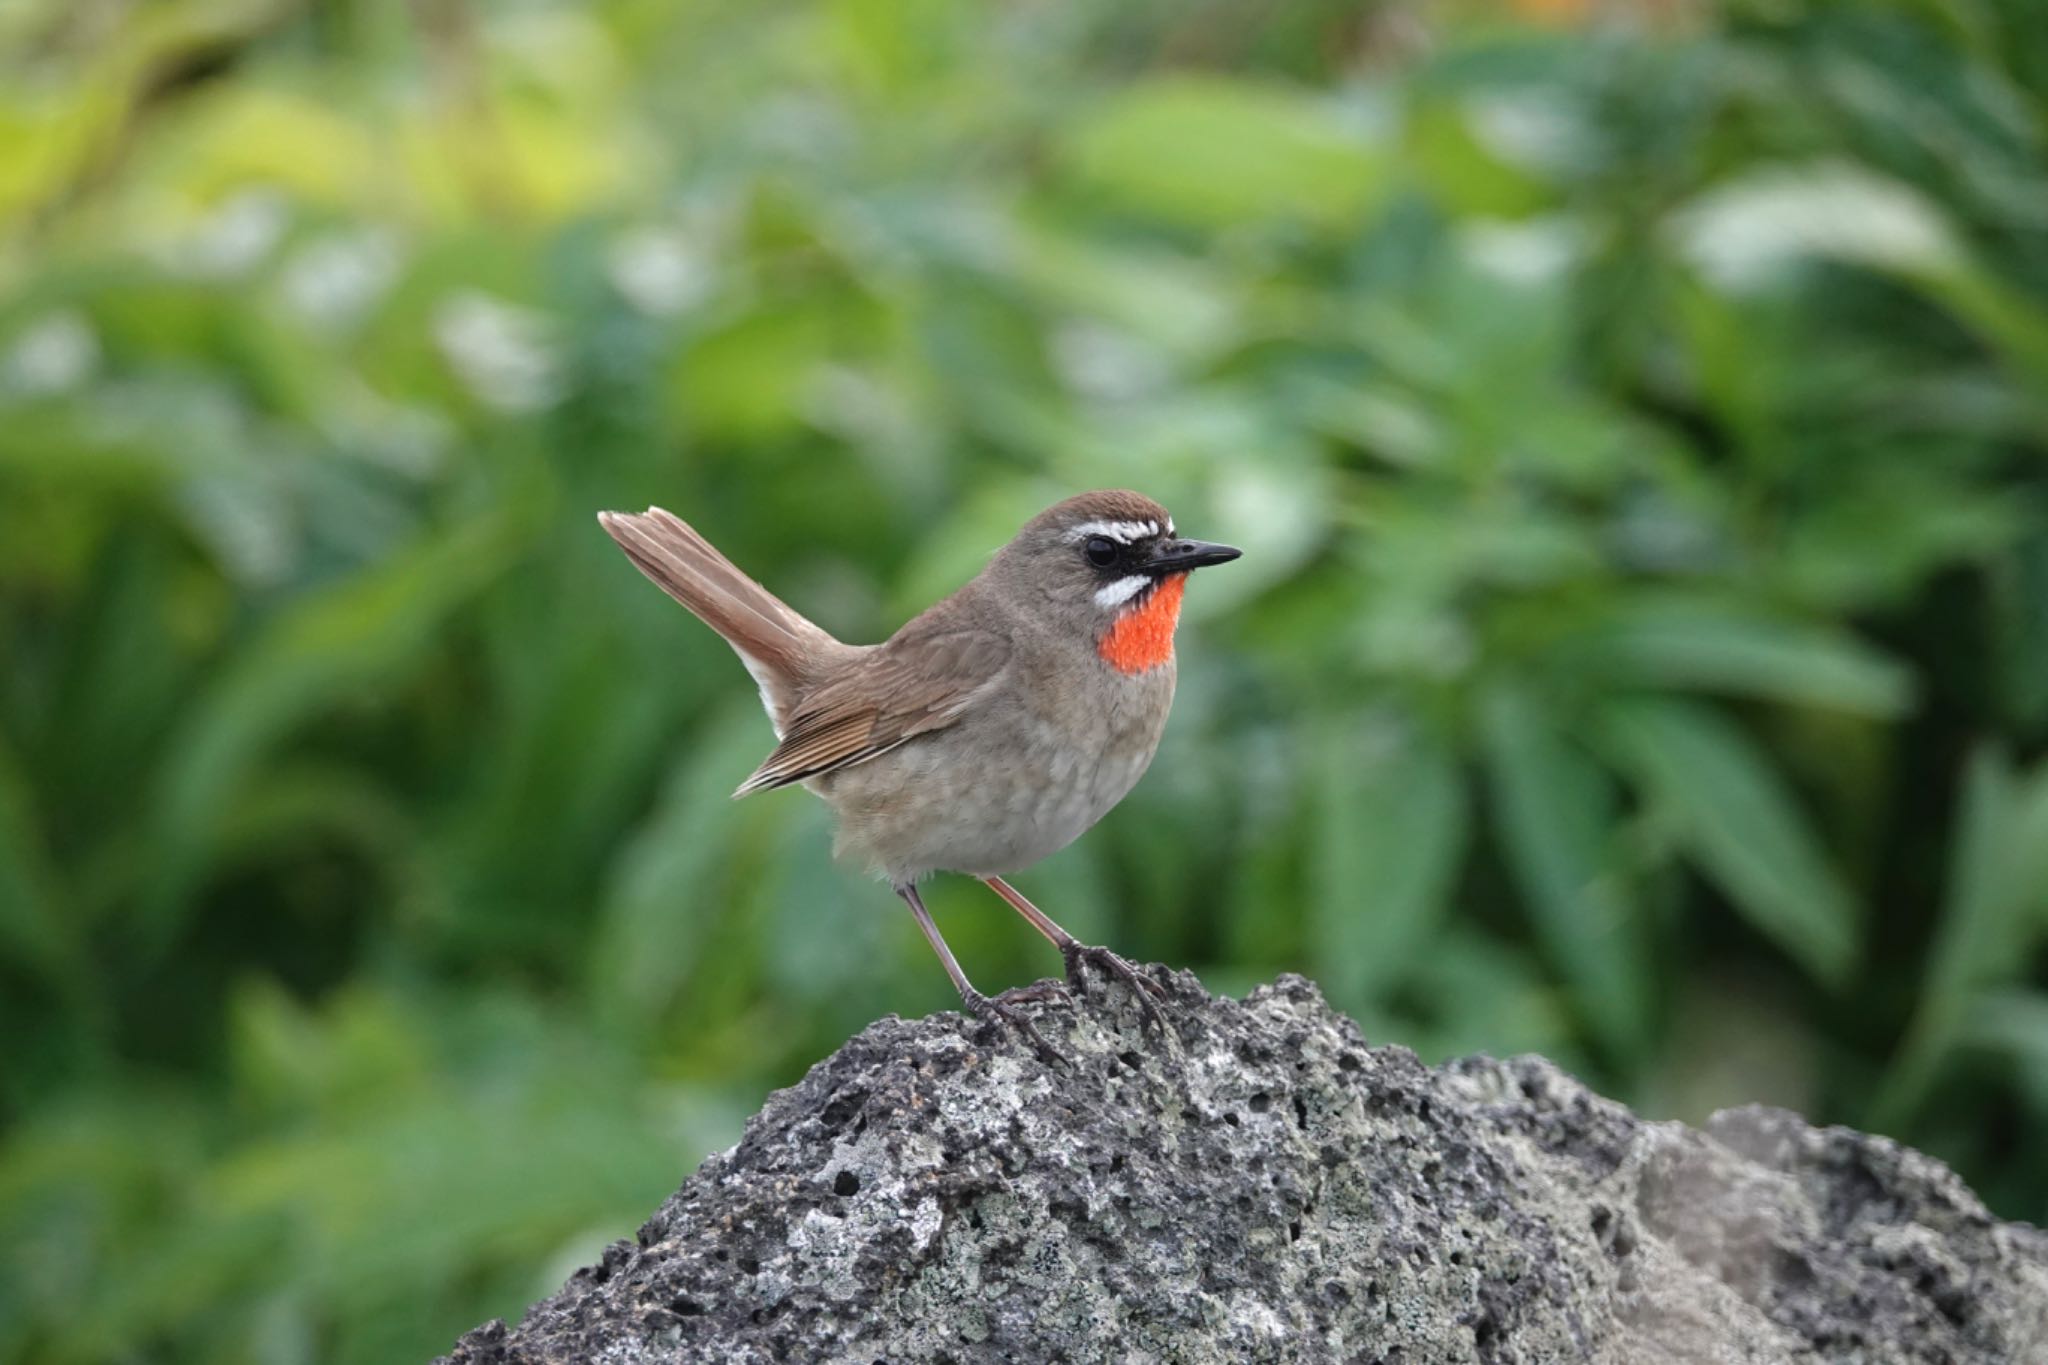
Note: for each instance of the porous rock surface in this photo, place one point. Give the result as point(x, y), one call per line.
point(1264, 1186)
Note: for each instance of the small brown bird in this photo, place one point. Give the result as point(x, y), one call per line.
point(988, 732)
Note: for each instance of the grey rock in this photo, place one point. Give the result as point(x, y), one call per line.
point(1264, 1186)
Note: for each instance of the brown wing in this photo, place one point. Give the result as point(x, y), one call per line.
point(911, 686)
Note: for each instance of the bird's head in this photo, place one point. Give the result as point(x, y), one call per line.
point(1113, 561)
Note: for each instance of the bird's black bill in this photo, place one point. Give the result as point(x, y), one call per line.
point(1178, 556)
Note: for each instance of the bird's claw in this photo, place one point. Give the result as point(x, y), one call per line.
point(993, 1010)
point(1037, 993)
point(1078, 956)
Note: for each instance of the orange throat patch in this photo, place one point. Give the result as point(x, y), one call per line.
point(1142, 637)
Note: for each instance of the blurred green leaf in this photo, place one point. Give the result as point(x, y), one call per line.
point(1885, 527)
point(1557, 817)
point(318, 653)
point(1747, 232)
point(37, 929)
point(2017, 328)
point(1488, 997)
point(1208, 152)
point(1680, 643)
point(2019, 602)
point(748, 381)
point(1391, 834)
point(203, 1259)
point(1175, 301)
point(1463, 170)
point(1741, 825)
point(1990, 921)
point(2014, 1025)
point(665, 891)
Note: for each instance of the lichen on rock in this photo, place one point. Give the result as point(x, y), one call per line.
point(1260, 1184)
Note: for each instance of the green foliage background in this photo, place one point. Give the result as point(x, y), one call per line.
point(1635, 426)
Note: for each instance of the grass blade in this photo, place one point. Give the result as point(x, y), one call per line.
point(1391, 831)
point(1985, 925)
point(1556, 812)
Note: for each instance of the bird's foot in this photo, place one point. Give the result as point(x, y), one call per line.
point(1001, 1011)
point(1079, 956)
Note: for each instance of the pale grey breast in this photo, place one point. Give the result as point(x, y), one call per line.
point(1014, 782)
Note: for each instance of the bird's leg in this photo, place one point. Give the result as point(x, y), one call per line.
point(1073, 952)
point(979, 1005)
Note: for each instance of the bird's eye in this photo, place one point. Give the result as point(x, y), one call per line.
point(1101, 551)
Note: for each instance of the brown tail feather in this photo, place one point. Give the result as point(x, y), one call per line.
point(779, 647)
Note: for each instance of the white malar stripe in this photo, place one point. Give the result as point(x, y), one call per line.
point(1123, 532)
point(1123, 590)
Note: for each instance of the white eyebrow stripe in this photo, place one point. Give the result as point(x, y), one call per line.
point(1123, 590)
point(1124, 532)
